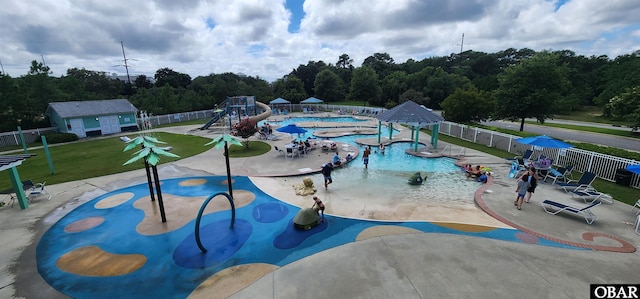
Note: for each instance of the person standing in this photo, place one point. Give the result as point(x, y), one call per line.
point(530, 177)
point(365, 156)
point(318, 206)
point(326, 173)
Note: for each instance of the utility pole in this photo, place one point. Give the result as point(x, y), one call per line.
point(462, 43)
point(126, 66)
point(2, 68)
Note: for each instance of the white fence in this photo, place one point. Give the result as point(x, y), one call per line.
point(30, 136)
point(605, 166)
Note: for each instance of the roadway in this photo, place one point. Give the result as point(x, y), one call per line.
point(627, 143)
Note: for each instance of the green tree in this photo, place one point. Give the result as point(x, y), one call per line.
point(530, 89)
point(290, 88)
point(467, 105)
point(307, 74)
point(329, 86)
point(626, 107)
point(381, 63)
point(345, 62)
point(174, 79)
point(394, 85)
point(415, 96)
point(365, 87)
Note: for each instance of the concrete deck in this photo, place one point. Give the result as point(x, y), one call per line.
point(387, 265)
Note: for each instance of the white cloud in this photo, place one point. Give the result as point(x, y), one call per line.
point(250, 36)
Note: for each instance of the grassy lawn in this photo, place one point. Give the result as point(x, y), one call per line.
point(615, 132)
point(621, 193)
point(94, 158)
point(590, 114)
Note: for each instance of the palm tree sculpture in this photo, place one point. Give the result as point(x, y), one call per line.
point(151, 154)
point(223, 141)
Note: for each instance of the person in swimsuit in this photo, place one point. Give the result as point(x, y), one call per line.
point(365, 156)
point(318, 206)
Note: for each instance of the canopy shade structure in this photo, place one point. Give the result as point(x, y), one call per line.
point(10, 163)
point(414, 115)
point(312, 100)
point(410, 113)
point(544, 141)
point(279, 101)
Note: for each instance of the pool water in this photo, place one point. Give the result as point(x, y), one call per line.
point(389, 173)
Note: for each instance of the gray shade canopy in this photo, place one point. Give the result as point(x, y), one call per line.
point(279, 101)
point(312, 100)
point(412, 114)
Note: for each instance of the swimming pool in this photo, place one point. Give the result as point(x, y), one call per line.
point(388, 173)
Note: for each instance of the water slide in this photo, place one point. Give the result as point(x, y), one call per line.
point(256, 118)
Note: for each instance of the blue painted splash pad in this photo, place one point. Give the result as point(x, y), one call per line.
point(174, 266)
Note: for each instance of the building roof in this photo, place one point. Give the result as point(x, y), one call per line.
point(90, 108)
point(279, 101)
point(412, 114)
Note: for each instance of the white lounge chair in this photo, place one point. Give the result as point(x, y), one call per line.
point(590, 194)
point(38, 190)
point(553, 208)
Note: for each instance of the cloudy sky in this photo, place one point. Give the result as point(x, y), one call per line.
point(269, 38)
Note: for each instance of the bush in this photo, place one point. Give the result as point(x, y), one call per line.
point(55, 137)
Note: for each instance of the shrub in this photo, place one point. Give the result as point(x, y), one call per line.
point(55, 137)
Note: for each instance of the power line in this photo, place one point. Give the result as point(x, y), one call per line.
point(126, 66)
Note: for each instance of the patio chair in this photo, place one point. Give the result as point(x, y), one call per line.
point(636, 205)
point(38, 190)
point(558, 174)
point(554, 208)
point(585, 181)
point(291, 152)
point(525, 157)
point(278, 151)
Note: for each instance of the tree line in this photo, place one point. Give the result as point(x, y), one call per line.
point(469, 86)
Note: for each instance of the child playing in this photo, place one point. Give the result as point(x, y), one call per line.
point(523, 185)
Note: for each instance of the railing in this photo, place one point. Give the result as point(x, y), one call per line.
point(605, 166)
point(30, 136)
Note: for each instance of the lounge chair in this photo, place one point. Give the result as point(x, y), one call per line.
point(589, 195)
point(525, 157)
point(585, 181)
point(558, 174)
point(38, 190)
point(553, 208)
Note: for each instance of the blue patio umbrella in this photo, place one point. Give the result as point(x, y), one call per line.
point(544, 141)
point(634, 168)
point(291, 129)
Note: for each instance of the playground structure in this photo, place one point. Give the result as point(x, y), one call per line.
point(237, 107)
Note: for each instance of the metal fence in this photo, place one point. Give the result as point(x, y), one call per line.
point(605, 166)
point(30, 136)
